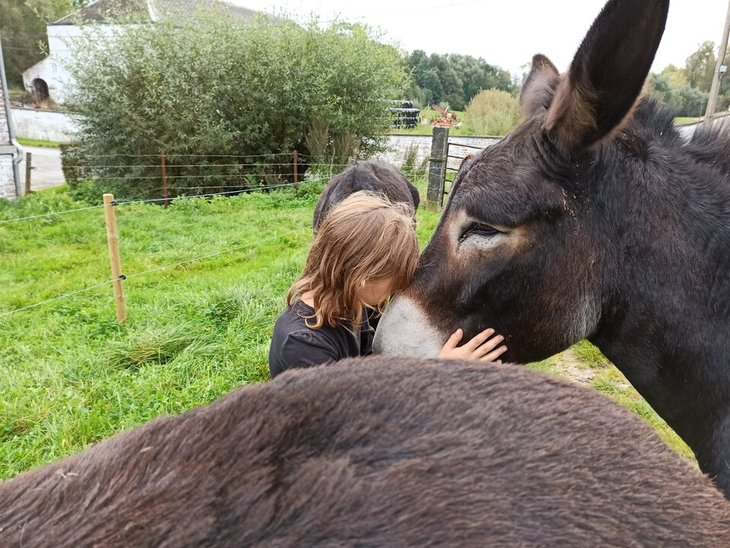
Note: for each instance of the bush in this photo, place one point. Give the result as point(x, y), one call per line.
point(410, 167)
point(492, 112)
point(212, 94)
point(683, 100)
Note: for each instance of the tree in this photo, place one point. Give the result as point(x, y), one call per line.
point(700, 67)
point(23, 32)
point(682, 99)
point(694, 101)
point(660, 87)
point(676, 76)
point(212, 88)
point(454, 78)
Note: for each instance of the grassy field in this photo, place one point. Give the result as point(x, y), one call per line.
point(37, 143)
point(70, 375)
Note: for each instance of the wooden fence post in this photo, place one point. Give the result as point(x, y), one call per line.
point(28, 171)
point(112, 238)
point(437, 168)
point(296, 170)
point(163, 166)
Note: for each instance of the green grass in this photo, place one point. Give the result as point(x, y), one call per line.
point(683, 121)
point(70, 375)
point(38, 143)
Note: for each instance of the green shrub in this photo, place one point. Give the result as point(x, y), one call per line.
point(411, 168)
point(212, 94)
point(492, 112)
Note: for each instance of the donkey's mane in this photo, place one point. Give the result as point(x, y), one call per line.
point(707, 145)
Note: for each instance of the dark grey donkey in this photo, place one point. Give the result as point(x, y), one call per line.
point(594, 219)
point(377, 452)
point(369, 175)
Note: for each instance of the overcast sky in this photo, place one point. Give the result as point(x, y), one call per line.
point(506, 33)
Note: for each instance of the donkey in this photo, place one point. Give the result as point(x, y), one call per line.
point(371, 175)
point(593, 219)
point(381, 451)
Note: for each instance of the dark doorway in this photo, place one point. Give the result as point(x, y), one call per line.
point(40, 91)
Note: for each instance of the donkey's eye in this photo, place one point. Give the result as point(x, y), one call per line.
point(479, 229)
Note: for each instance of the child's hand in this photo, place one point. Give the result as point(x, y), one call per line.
point(483, 347)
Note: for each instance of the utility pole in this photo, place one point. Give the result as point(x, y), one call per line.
point(715, 88)
point(8, 145)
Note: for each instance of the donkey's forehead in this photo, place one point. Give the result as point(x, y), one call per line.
point(506, 183)
point(501, 167)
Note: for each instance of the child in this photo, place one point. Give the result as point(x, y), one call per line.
point(364, 251)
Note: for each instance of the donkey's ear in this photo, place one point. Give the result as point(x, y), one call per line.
point(607, 72)
point(539, 88)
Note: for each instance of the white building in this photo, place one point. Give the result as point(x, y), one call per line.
point(50, 79)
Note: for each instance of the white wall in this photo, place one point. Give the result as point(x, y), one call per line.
point(52, 69)
point(7, 174)
point(399, 144)
point(44, 125)
point(7, 179)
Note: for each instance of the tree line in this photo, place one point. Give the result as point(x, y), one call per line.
point(452, 78)
point(685, 90)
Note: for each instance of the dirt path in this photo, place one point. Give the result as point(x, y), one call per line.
point(46, 171)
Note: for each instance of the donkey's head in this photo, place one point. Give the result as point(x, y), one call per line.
point(519, 245)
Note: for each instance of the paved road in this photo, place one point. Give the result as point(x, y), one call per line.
point(46, 164)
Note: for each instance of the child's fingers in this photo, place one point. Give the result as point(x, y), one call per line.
point(494, 354)
point(479, 339)
point(453, 340)
point(488, 346)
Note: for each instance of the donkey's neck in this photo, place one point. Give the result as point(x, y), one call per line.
point(678, 365)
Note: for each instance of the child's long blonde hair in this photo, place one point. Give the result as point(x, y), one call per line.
point(364, 237)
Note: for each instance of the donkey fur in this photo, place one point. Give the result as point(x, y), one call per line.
point(376, 452)
point(370, 175)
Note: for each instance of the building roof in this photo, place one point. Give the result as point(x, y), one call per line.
point(147, 11)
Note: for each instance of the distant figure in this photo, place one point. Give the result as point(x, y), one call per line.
point(371, 175)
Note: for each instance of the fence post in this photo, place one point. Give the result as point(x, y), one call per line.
point(296, 170)
point(163, 166)
point(28, 171)
point(112, 238)
point(437, 168)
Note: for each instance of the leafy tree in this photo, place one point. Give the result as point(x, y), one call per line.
point(676, 76)
point(213, 88)
point(23, 32)
point(453, 78)
point(683, 100)
point(700, 66)
point(694, 101)
point(660, 87)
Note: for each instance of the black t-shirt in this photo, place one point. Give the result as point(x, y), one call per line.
point(294, 344)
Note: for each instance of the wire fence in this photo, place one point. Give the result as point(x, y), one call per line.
point(198, 191)
point(277, 175)
point(172, 174)
point(124, 277)
point(238, 177)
